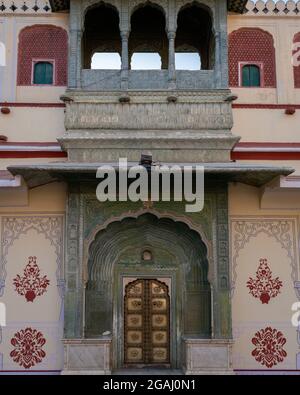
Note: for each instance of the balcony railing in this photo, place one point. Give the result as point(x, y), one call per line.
point(98, 80)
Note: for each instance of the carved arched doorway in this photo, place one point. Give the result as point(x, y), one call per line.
point(146, 253)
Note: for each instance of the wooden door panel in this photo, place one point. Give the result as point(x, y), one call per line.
point(146, 322)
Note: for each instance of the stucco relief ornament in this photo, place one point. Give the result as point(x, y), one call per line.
point(28, 347)
point(264, 286)
point(269, 349)
point(31, 284)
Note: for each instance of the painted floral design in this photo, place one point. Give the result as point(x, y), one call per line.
point(28, 347)
point(31, 284)
point(264, 286)
point(269, 349)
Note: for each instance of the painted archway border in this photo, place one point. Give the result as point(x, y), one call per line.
point(282, 229)
point(48, 224)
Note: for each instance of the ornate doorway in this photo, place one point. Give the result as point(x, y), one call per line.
point(146, 323)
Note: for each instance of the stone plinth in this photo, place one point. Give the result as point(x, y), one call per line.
point(87, 356)
point(207, 356)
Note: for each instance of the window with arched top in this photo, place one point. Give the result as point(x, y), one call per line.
point(101, 40)
point(148, 41)
point(246, 46)
point(194, 39)
point(250, 75)
point(42, 44)
point(43, 73)
point(187, 61)
point(106, 61)
point(145, 61)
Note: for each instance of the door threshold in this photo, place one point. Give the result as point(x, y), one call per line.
point(147, 371)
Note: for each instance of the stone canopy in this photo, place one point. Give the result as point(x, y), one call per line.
point(251, 174)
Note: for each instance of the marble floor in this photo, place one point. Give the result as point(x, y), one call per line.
point(147, 371)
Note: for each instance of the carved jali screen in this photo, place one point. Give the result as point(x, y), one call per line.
point(146, 323)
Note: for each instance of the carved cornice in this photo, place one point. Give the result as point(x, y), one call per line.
point(143, 96)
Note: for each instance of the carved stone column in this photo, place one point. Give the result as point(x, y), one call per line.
point(75, 33)
point(73, 325)
point(221, 297)
point(221, 45)
point(74, 58)
point(125, 60)
point(172, 72)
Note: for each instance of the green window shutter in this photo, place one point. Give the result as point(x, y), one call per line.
point(43, 73)
point(250, 75)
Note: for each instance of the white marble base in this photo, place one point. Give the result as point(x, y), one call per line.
point(207, 356)
point(87, 356)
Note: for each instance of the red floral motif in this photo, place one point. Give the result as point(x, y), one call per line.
point(269, 347)
point(264, 286)
point(28, 347)
point(31, 284)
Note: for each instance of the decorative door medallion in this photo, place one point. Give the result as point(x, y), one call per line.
point(146, 323)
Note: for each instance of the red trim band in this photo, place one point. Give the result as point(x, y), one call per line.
point(234, 155)
point(29, 371)
point(234, 105)
point(242, 151)
point(267, 370)
point(32, 154)
point(265, 155)
point(52, 105)
point(267, 145)
point(267, 106)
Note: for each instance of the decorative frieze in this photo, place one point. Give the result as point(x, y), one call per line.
point(272, 8)
point(22, 7)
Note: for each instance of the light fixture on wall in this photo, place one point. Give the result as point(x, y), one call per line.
point(290, 110)
point(147, 255)
point(3, 139)
point(146, 161)
point(5, 110)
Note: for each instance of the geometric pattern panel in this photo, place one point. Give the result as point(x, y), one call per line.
point(252, 45)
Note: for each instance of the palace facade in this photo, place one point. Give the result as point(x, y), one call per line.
point(102, 287)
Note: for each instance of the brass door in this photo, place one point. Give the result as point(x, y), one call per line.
point(146, 323)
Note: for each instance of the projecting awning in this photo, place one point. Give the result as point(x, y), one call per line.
point(237, 6)
point(251, 174)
